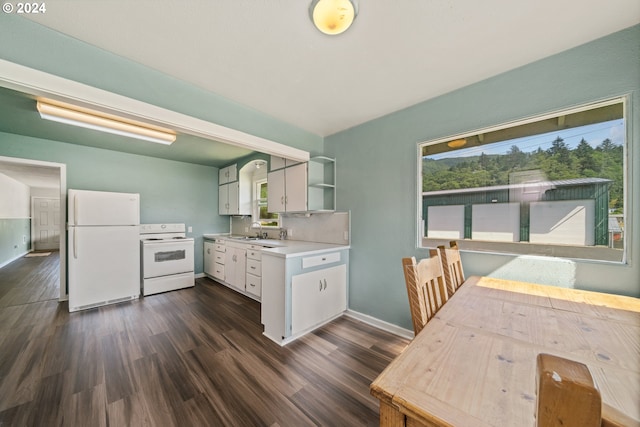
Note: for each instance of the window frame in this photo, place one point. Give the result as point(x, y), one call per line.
point(518, 248)
point(255, 211)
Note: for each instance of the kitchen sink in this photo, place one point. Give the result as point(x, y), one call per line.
point(245, 237)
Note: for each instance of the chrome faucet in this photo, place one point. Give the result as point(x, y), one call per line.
point(260, 235)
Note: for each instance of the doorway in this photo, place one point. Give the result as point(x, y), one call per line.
point(45, 220)
point(42, 181)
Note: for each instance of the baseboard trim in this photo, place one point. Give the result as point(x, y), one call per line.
point(13, 259)
point(380, 324)
point(200, 275)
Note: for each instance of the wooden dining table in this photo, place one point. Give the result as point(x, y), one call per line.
point(474, 363)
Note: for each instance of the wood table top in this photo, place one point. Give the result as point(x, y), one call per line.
point(474, 364)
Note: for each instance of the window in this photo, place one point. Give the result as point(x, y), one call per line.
point(260, 213)
point(552, 185)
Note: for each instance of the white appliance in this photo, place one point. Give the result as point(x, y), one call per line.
point(167, 258)
point(103, 249)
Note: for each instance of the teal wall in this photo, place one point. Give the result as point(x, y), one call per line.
point(27, 43)
point(169, 191)
point(12, 244)
point(377, 166)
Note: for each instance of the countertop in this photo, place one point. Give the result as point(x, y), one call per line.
point(283, 248)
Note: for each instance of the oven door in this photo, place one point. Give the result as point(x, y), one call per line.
point(165, 257)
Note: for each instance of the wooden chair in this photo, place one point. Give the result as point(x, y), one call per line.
point(425, 288)
point(452, 266)
point(568, 397)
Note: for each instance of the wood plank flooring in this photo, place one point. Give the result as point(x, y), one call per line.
point(29, 280)
point(194, 357)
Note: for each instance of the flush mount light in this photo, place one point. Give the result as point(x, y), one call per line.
point(457, 143)
point(333, 16)
point(91, 119)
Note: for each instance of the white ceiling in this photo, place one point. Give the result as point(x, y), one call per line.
point(268, 56)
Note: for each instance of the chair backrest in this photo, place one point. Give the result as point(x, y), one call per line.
point(425, 288)
point(452, 266)
point(567, 395)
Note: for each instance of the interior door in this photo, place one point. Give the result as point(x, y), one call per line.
point(46, 223)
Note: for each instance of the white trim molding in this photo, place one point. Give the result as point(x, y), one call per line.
point(41, 84)
point(381, 324)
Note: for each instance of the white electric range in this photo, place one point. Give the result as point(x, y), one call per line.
point(167, 261)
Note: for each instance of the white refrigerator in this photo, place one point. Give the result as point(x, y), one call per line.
point(103, 248)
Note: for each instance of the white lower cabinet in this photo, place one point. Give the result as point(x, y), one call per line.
point(317, 296)
point(254, 271)
point(301, 293)
point(234, 264)
point(214, 253)
point(235, 267)
point(209, 257)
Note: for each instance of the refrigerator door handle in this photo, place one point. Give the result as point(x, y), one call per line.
point(75, 243)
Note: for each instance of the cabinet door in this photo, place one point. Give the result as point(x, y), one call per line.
point(334, 291)
point(295, 188)
point(235, 267)
point(317, 296)
point(209, 257)
point(228, 174)
point(275, 196)
point(276, 163)
point(223, 199)
point(234, 200)
point(228, 200)
point(232, 172)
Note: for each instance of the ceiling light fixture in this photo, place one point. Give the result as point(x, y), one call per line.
point(457, 143)
point(333, 16)
point(90, 119)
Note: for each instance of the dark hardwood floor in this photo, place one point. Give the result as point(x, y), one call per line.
point(194, 357)
point(30, 279)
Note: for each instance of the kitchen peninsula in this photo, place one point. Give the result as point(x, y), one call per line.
point(301, 285)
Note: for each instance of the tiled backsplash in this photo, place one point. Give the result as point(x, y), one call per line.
point(313, 227)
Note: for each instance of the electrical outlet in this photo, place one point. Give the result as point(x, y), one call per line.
point(346, 235)
point(290, 232)
point(24, 239)
point(189, 229)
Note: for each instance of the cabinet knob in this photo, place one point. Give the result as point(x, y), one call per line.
point(325, 284)
point(321, 285)
point(208, 251)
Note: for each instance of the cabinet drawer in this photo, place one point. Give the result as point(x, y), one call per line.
point(220, 248)
point(218, 271)
point(254, 254)
point(254, 284)
point(314, 261)
point(219, 257)
point(254, 267)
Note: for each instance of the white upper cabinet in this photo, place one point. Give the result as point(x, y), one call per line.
point(228, 200)
point(233, 192)
point(281, 162)
point(288, 189)
point(228, 174)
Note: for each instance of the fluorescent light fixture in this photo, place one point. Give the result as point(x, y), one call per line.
point(90, 119)
point(333, 16)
